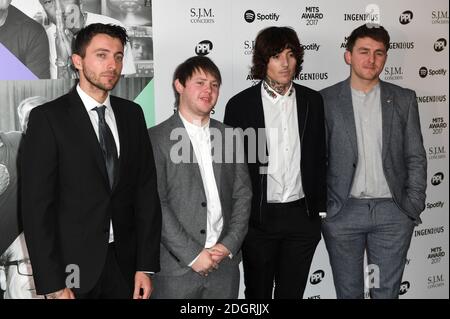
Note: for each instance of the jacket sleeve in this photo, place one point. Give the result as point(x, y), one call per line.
point(242, 199)
point(321, 190)
point(147, 206)
point(415, 159)
point(39, 180)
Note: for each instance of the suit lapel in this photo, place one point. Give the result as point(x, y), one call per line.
point(122, 130)
point(259, 121)
point(302, 109)
point(346, 105)
point(86, 132)
point(193, 161)
point(387, 111)
point(217, 166)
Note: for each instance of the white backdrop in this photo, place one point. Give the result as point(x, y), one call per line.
point(419, 35)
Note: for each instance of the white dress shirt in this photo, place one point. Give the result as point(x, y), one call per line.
point(201, 143)
point(90, 104)
point(283, 141)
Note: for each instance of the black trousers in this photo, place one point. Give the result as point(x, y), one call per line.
point(112, 283)
point(280, 252)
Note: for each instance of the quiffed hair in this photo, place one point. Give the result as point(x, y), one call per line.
point(375, 32)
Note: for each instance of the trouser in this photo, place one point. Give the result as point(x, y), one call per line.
point(111, 284)
point(280, 252)
point(378, 227)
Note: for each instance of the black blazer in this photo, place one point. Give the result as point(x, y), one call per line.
point(245, 110)
point(67, 203)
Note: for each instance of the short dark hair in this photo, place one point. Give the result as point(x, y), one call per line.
point(271, 41)
point(377, 33)
point(185, 70)
point(85, 35)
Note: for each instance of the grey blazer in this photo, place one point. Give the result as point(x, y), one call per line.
point(403, 154)
point(183, 199)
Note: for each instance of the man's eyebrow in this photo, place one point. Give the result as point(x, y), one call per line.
point(107, 50)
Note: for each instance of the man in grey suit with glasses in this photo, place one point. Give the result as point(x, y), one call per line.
point(377, 171)
point(204, 188)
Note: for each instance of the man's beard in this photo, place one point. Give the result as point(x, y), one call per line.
point(95, 82)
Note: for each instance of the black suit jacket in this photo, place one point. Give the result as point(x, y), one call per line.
point(67, 203)
point(245, 110)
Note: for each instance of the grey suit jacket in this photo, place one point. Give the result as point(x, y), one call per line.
point(183, 199)
point(403, 154)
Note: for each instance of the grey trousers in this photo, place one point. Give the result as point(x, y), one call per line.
point(378, 227)
point(222, 283)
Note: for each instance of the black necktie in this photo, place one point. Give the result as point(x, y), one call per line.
point(107, 144)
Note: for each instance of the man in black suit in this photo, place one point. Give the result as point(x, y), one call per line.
point(288, 180)
point(89, 196)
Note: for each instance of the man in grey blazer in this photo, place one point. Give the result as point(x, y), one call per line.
point(376, 171)
point(205, 191)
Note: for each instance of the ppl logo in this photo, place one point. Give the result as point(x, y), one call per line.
point(404, 287)
point(405, 17)
point(440, 45)
point(437, 178)
point(317, 277)
point(249, 16)
point(203, 47)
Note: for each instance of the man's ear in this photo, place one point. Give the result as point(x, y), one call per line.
point(178, 86)
point(76, 61)
point(348, 57)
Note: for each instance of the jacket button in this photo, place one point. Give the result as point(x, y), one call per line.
point(354, 165)
point(203, 204)
point(202, 232)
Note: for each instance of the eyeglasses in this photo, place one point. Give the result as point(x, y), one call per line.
point(23, 266)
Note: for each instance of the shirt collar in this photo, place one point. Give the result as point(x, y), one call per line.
point(274, 96)
point(193, 129)
point(373, 91)
point(90, 103)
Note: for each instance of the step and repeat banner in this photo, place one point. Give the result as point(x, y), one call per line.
point(164, 33)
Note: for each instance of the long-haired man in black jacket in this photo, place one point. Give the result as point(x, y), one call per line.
point(288, 170)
